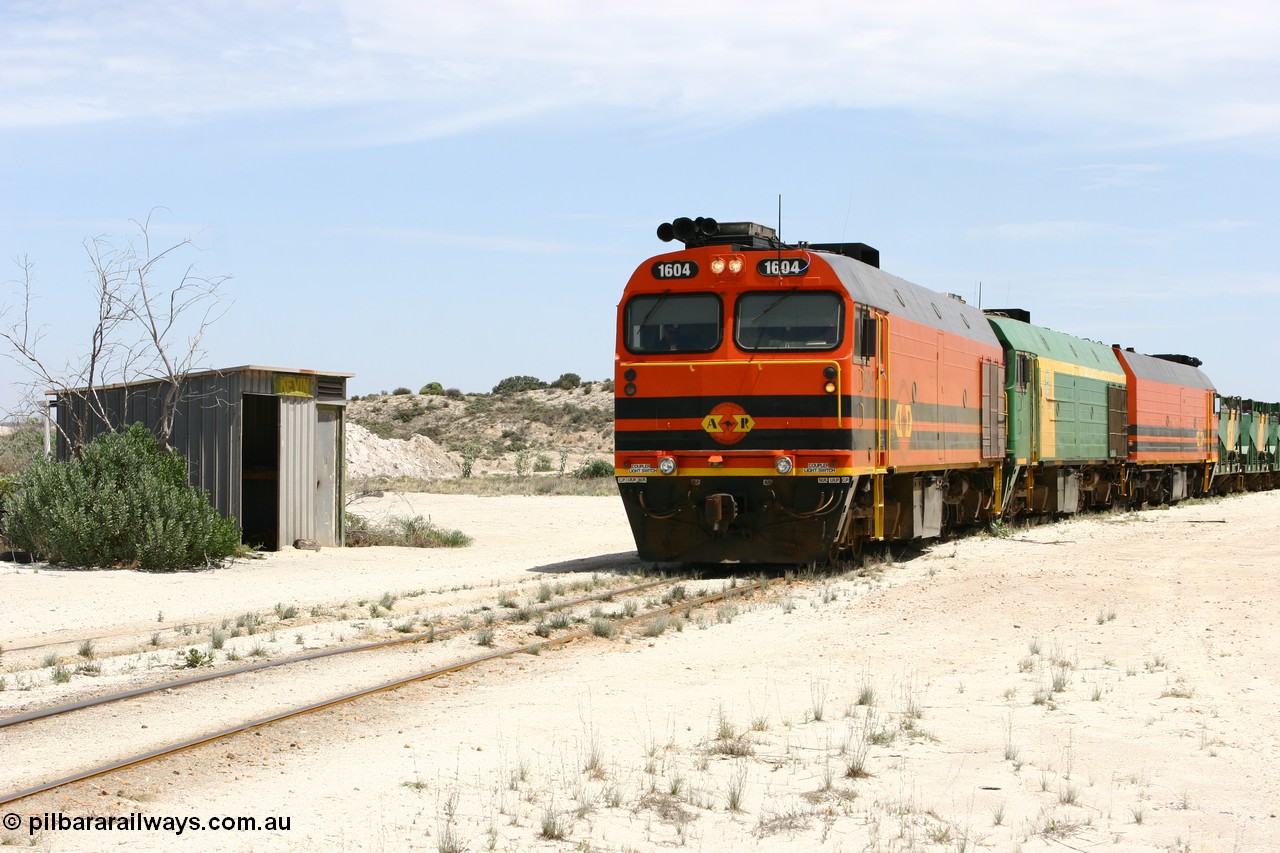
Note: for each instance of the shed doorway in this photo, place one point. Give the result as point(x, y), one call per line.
point(260, 471)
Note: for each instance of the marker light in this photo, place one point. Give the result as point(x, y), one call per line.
point(667, 465)
point(717, 265)
point(735, 265)
point(783, 465)
point(830, 387)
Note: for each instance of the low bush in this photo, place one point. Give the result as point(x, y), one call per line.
point(416, 532)
point(122, 504)
point(593, 470)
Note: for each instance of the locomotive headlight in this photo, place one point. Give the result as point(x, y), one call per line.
point(667, 465)
point(830, 387)
point(735, 265)
point(783, 465)
point(717, 265)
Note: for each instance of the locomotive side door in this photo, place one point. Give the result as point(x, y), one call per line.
point(1021, 405)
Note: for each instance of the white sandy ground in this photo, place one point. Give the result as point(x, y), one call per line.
point(1159, 628)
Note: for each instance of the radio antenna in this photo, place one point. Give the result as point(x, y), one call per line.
point(779, 218)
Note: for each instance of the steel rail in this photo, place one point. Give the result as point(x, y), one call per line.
point(447, 669)
point(316, 655)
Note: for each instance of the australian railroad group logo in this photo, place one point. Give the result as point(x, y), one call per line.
point(728, 423)
point(902, 420)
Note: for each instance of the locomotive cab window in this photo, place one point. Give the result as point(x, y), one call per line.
point(789, 320)
point(663, 323)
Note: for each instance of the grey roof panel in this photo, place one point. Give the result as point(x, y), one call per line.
point(899, 297)
point(1159, 370)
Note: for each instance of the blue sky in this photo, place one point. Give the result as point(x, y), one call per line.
point(425, 191)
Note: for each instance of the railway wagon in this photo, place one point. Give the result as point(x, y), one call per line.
point(1068, 418)
point(1247, 438)
point(782, 403)
point(1173, 443)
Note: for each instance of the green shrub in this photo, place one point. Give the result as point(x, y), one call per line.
point(400, 392)
point(518, 383)
point(594, 469)
point(567, 381)
point(453, 393)
point(416, 532)
point(123, 504)
point(432, 388)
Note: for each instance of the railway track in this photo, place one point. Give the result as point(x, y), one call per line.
point(601, 626)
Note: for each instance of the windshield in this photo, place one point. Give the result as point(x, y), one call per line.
point(790, 320)
point(686, 322)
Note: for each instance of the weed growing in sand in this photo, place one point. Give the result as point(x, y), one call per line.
point(50, 658)
point(484, 637)
point(217, 639)
point(86, 650)
point(858, 746)
point(602, 627)
point(654, 627)
point(817, 700)
point(1011, 751)
point(284, 611)
point(194, 658)
point(735, 789)
point(553, 828)
point(60, 674)
point(1105, 616)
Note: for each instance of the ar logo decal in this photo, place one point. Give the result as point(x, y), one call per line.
point(728, 423)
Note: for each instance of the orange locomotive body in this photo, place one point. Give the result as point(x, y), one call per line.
point(1173, 426)
point(779, 404)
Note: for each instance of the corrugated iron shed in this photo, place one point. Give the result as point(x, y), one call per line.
point(266, 443)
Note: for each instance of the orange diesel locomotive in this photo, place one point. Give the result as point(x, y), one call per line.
point(780, 404)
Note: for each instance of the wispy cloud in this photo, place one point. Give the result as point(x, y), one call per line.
point(1150, 69)
point(1064, 230)
point(1106, 176)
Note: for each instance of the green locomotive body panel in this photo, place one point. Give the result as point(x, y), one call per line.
point(1066, 396)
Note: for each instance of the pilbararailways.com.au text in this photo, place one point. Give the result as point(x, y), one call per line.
point(138, 822)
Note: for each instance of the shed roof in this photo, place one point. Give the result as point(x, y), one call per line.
point(224, 371)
